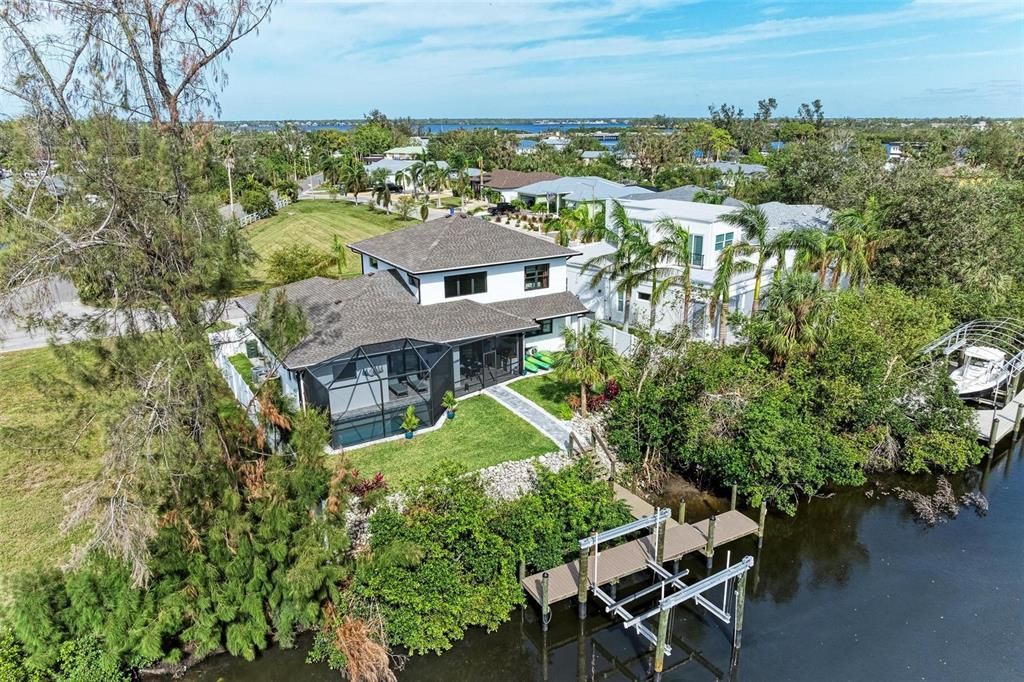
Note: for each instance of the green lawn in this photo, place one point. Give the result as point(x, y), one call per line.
point(35, 471)
point(547, 392)
point(242, 363)
point(314, 223)
point(482, 434)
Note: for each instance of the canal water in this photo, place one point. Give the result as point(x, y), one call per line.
point(851, 588)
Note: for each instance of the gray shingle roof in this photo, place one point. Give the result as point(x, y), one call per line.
point(456, 242)
point(346, 314)
point(734, 167)
point(790, 216)
point(684, 193)
point(543, 307)
point(583, 188)
point(501, 178)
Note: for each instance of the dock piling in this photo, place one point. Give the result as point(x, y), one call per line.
point(659, 649)
point(741, 596)
point(709, 549)
point(682, 512)
point(545, 606)
point(1018, 419)
point(993, 434)
point(732, 498)
point(760, 524)
point(522, 569)
point(584, 582)
point(660, 542)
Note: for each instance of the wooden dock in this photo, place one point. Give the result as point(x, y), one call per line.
point(1005, 421)
point(632, 557)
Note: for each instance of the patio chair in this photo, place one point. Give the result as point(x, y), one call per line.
point(396, 387)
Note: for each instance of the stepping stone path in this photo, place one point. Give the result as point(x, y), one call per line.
point(555, 429)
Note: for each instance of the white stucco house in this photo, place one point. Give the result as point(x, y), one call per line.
point(453, 304)
point(709, 235)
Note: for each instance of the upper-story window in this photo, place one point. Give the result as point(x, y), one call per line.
point(697, 251)
point(537, 276)
point(723, 240)
point(373, 262)
point(414, 281)
point(464, 285)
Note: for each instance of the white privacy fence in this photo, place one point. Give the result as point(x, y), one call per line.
point(622, 342)
point(225, 344)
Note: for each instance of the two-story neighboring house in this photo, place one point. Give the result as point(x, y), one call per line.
point(709, 235)
point(450, 304)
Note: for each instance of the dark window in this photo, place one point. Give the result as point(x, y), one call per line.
point(373, 262)
point(545, 328)
point(643, 295)
point(537, 276)
point(414, 281)
point(345, 372)
point(464, 285)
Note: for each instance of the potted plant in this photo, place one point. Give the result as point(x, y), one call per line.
point(450, 403)
point(411, 421)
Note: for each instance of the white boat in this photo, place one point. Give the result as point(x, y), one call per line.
point(983, 369)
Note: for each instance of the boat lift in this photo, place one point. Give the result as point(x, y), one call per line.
point(672, 591)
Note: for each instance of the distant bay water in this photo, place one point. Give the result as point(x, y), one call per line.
point(534, 128)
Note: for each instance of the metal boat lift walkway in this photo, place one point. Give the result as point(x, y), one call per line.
point(669, 541)
point(632, 557)
point(1002, 413)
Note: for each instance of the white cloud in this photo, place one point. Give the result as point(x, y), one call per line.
point(449, 58)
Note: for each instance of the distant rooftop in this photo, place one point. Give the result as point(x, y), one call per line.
point(734, 167)
point(501, 178)
point(585, 188)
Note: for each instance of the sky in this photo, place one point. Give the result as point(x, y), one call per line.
point(323, 59)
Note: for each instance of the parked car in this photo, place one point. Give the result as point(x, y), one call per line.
point(502, 208)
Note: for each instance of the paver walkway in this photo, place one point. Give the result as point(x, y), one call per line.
point(554, 429)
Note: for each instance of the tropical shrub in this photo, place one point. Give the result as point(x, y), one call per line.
point(295, 263)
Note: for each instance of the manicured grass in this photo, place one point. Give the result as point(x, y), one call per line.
point(482, 434)
point(37, 463)
point(314, 223)
point(547, 392)
point(243, 364)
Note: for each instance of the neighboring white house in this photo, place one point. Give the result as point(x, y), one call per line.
point(409, 153)
point(394, 167)
point(567, 192)
point(709, 235)
point(452, 304)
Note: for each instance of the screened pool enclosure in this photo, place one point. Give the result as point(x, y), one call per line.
point(368, 390)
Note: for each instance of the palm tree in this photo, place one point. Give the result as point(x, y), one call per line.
point(437, 179)
point(676, 250)
point(340, 255)
point(583, 222)
point(816, 251)
point(870, 223)
point(728, 267)
point(799, 314)
point(589, 359)
point(354, 178)
point(412, 174)
point(381, 188)
point(758, 243)
point(630, 263)
point(863, 234)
